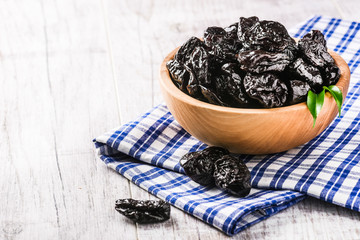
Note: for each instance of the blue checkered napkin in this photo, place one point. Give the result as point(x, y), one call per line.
point(159, 142)
point(147, 152)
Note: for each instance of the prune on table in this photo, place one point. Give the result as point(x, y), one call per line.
point(259, 61)
point(307, 73)
point(199, 166)
point(222, 44)
point(232, 175)
point(266, 35)
point(143, 211)
point(184, 52)
point(266, 88)
point(313, 49)
point(298, 91)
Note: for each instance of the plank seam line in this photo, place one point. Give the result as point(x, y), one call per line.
point(111, 58)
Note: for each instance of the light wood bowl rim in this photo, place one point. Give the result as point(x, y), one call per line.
point(169, 86)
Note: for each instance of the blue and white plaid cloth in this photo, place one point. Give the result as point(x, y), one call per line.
point(147, 151)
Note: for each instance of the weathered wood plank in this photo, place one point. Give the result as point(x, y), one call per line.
point(56, 95)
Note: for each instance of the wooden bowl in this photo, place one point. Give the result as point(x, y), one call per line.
point(250, 131)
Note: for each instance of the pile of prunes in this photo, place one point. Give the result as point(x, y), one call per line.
point(215, 166)
point(253, 64)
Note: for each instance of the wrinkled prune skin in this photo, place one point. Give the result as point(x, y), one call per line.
point(199, 62)
point(221, 44)
point(244, 27)
point(232, 175)
point(308, 73)
point(259, 61)
point(213, 36)
point(143, 211)
point(233, 85)
point(266, 35)
point(184, 52)
point(232, 30)
point(212, 97)
point(179, 74)
point(199, 166)
point(313, 49)
point(331, 74)
point(298, 91)
point(266, 88)
point(193, 84)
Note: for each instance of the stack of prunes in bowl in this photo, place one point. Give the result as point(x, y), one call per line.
point(253, 64)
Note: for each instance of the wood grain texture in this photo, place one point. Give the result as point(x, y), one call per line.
point(60, 64)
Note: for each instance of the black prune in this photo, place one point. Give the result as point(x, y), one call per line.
point(143, 211)
point(244, 27)
point(331, 73)
point(199, 166)
point(266, 88)
point(232, 30)
point(193, 84)
point(233, 85)
point(308, 73)
point(213, 35)
point(199, 62)
point(266, 35)
point(313, 49)
point(232, 175)
point(259, 61)
point(221, 44)
point(298, 91)
point(212, 97)
point(179, 74)
point(184, 52)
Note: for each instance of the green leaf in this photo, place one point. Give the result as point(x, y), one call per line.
point(337, 94)
point(314, 103)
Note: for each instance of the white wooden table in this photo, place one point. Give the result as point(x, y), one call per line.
point(71, 70)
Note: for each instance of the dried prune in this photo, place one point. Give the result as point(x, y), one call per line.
point(266, 88)
point(211, 96)
point(143, 211)
point(222, 44)
point(307, 73)
point(298, 91)
point(259, 61)
point(313, 49)
point(199, 166)
point(179, 74)
point(244, 27)
point(232, 30)
point(232, 175)
point(184, 52)
point(233, 85)
point(213, 35)
point(199, 62)
point(331, 73)
point(266, 35)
